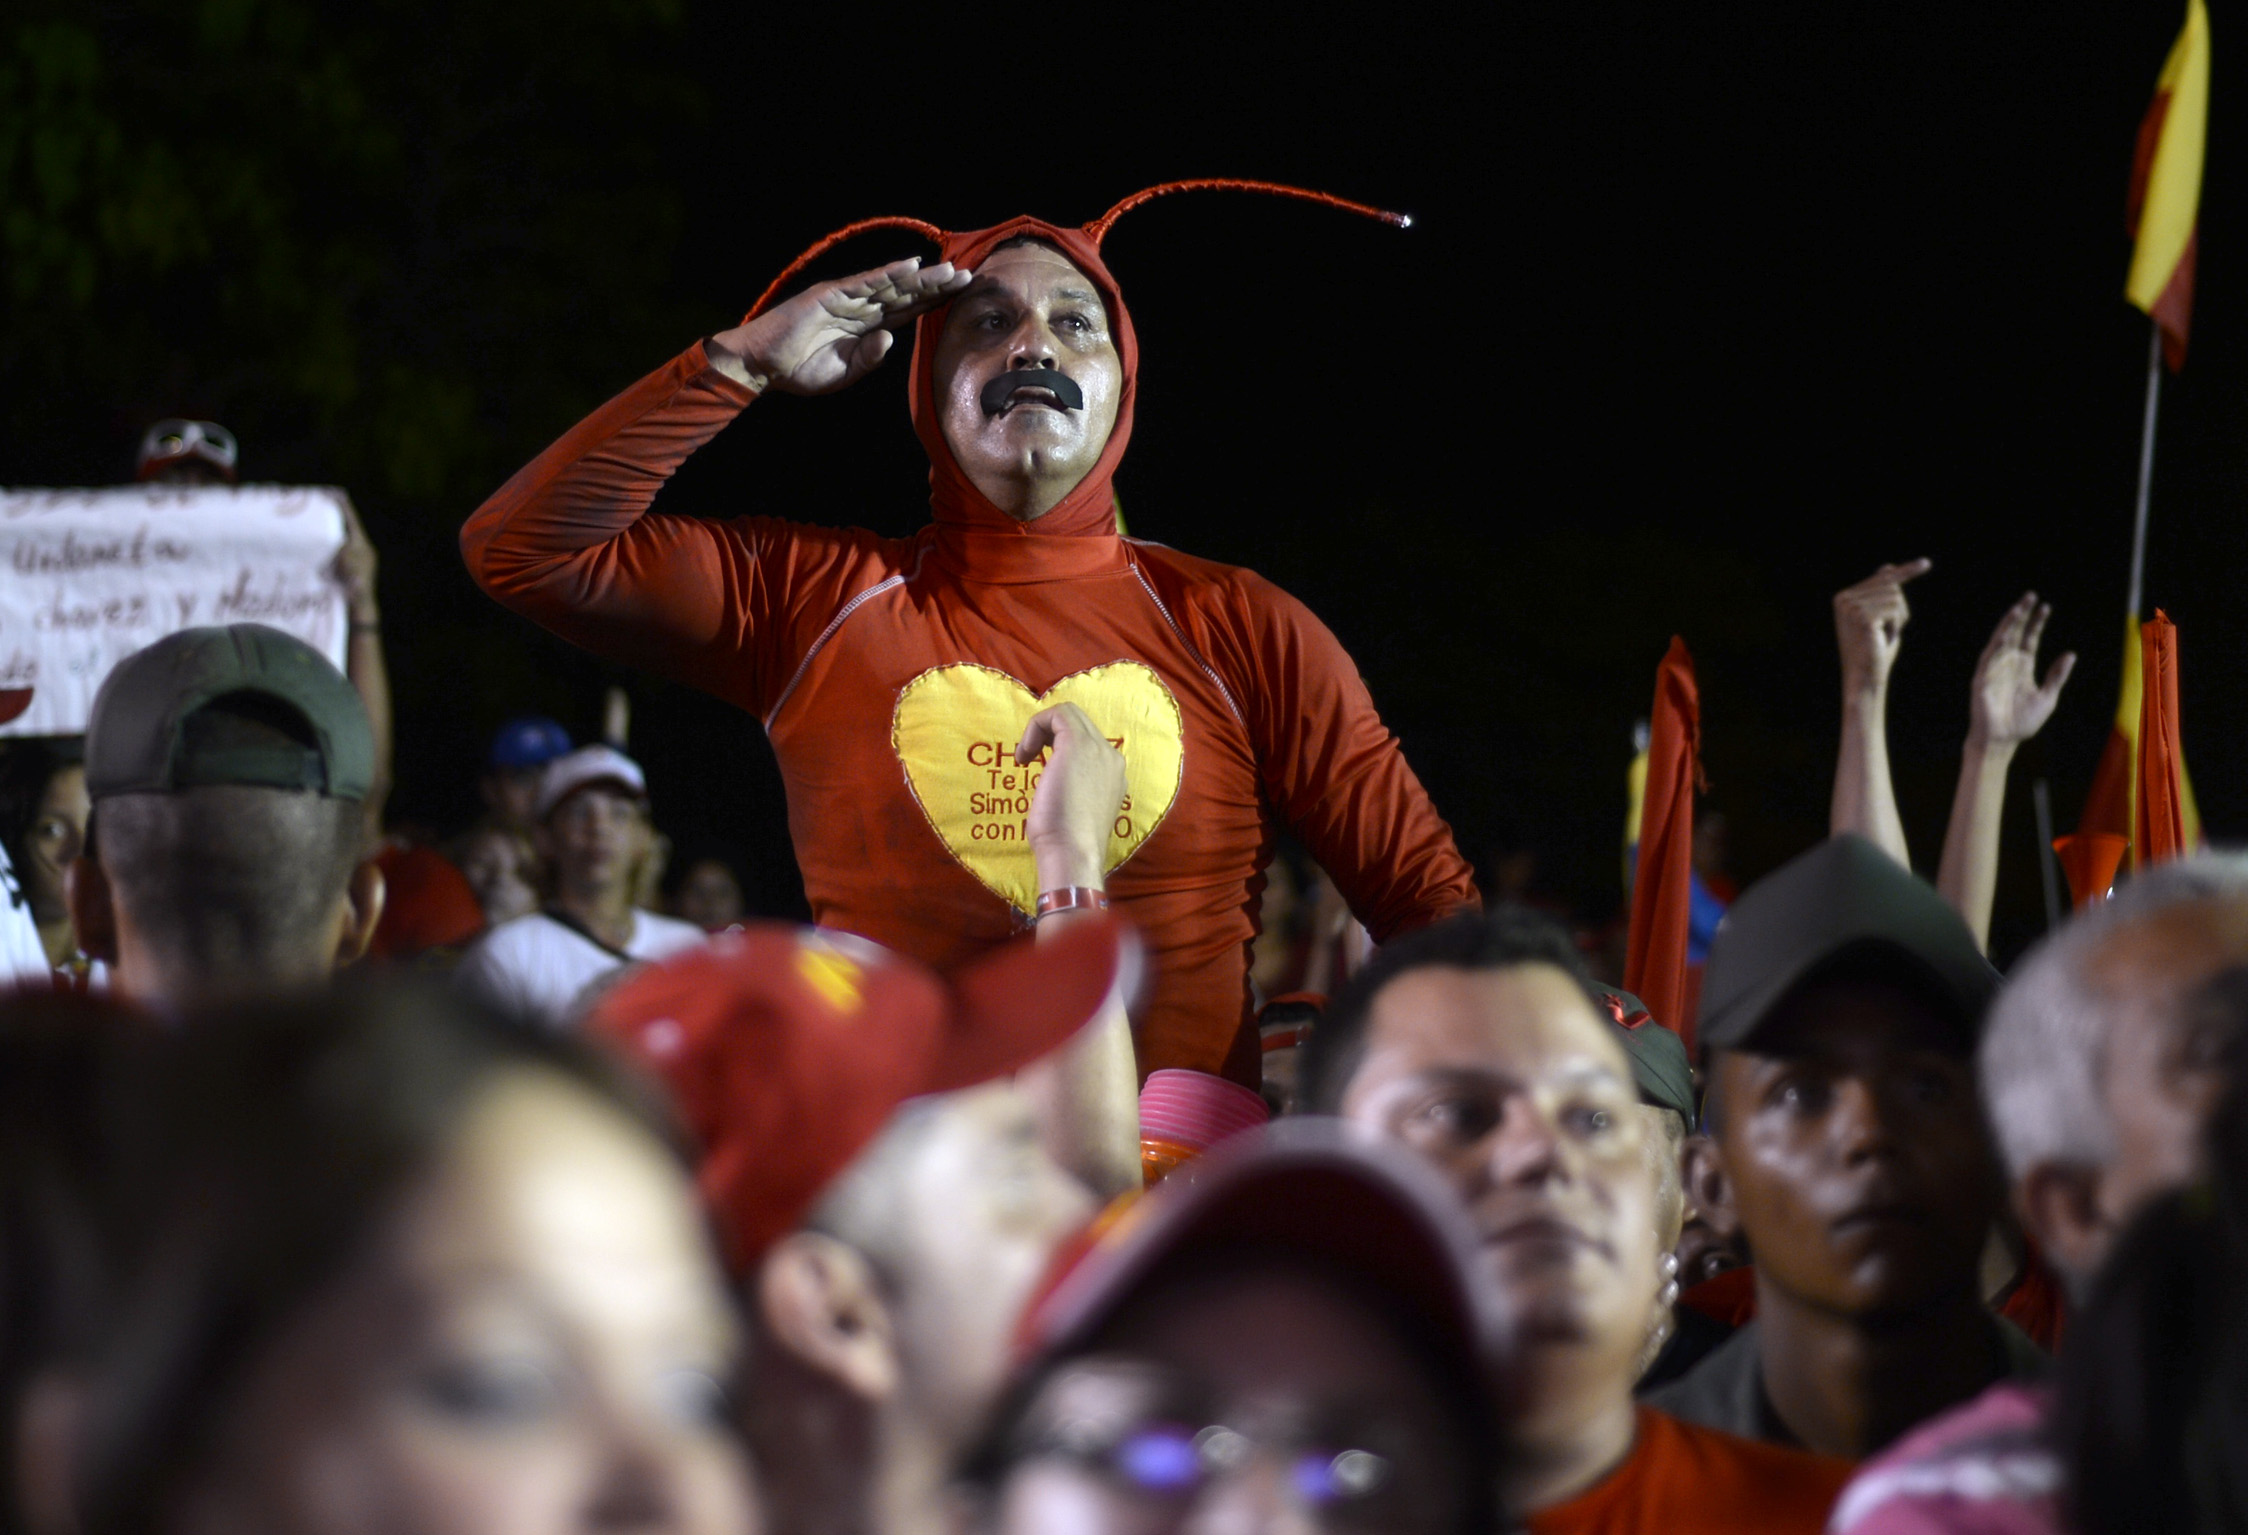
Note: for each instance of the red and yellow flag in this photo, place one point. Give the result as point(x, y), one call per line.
point(2165, 201)
point(1655, 966)
point(2109, 836)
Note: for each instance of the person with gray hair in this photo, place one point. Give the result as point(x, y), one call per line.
point(2103, 1058)
point(2101, 1064)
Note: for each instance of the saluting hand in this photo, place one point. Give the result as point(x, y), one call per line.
point(834, 333)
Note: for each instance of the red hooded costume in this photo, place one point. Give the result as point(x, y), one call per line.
point(893, 677)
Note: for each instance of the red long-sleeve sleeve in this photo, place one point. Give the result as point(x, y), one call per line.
point(1330, 768)
point(569, 543)
point(1341, 782)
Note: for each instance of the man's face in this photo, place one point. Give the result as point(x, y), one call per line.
point(979, 1210)
point(1854, 1148)
point(2163, 1070)
point(596, 835)
point(710, 897)
point(1027, 308)
point(1512, 1085)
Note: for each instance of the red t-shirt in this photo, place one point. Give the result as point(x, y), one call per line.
point(893, 677)
point(1683, 1479)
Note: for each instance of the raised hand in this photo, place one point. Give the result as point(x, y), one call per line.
point(835, 333)
point(1077, 798)
point(354, 569)
point(1869, 624)
point(2008, 704)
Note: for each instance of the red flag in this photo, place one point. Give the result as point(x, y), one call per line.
point(1655, 969)
point(2161, 829)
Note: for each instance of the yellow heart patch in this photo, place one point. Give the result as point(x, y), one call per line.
point(955, 731)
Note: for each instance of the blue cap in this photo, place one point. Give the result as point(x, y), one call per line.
point(530, 742)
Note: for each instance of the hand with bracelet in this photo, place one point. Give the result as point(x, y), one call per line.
point(1072, 808)
point(1087, 1093)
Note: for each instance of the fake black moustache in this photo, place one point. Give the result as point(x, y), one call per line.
point(1000, 392)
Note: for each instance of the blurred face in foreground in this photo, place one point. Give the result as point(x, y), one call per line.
point(949, 1221)
point(982, 1210)
point(1514, 1088)
point(1265, 1402)
point(535, 1343)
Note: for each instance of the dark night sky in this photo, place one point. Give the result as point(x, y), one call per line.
point(1701, 318)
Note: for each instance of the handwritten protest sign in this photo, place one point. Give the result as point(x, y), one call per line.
point(87, 577)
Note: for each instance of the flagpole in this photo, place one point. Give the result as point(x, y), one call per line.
point(2146, 468)
point(2048, 867)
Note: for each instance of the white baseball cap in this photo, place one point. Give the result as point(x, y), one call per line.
point(572, 771)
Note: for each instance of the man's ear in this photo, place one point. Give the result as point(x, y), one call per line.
point(363, 902)
point(1709, 1188)
point(822, 1301)
point(2059, 1203)
point(93, 917)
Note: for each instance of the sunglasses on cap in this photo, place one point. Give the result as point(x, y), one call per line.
point(167, 442)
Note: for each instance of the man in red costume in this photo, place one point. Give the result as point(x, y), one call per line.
point(894, 677)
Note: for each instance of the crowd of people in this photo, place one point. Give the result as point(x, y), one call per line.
point(1181, 1145)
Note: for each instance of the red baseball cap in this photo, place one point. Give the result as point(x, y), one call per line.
point(1304, 1188)
point(786, 1049)
point(427, 904)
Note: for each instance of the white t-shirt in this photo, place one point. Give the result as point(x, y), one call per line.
point(538, 967)
point(23, 958)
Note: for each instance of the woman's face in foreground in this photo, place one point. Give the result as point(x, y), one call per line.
point(537, 1342)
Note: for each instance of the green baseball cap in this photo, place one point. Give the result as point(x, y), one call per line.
point(1659, 1068)
point(245, 704)
point(1845, 900)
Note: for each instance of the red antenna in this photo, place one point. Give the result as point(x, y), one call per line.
point(826, 243)
point(1098, 229)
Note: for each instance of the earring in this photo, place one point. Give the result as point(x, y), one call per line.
point(1668, 1297)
